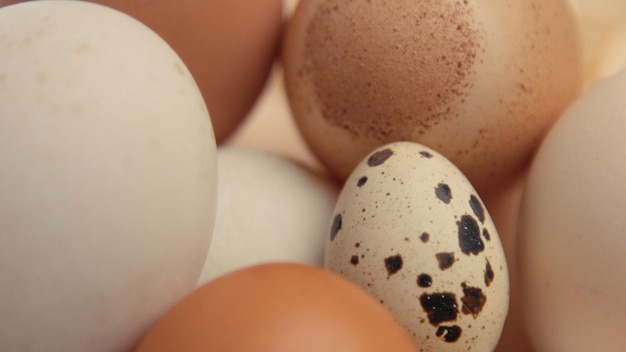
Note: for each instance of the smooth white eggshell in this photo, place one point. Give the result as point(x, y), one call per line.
point(411, 230)
point(269, 209)
point(108, 181)
point(571, 245)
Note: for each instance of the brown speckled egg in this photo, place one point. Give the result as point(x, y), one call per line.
point(479, 81)
point(410, 229)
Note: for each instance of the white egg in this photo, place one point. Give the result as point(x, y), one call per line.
point(108, 181)
point(270, 209)
point(411, 230)
point(571, 243)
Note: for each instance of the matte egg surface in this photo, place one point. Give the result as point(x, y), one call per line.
point(409, 228)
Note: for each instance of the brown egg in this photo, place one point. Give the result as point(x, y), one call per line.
point(480, 81)
point(278, 308)
point(504, 210)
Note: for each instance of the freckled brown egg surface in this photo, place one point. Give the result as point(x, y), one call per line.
point(478, 81)
point(409, 229)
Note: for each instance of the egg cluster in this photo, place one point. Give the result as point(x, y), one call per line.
point(438, 175)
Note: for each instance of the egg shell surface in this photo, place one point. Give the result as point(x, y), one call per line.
point(228, 45)
point(571, 245)
point(108, 181)
point(278, 307)
point(410, 229)
point(479, 81)
point(269, 209)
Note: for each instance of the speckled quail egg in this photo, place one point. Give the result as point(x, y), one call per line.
point(410, 229)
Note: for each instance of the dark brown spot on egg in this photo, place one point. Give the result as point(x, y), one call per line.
point(362, 181)
point(336, 226)
point(489, 274)
point(477, 208)
point(443, 192)
point(446, 260)
point(354, 260)
point(486, 235)
point(469, 236)
point(449, 333)
point(473, 300)
point(424, 237)
point(426, 154)
point(440, 307)
point(424, 280)
point(379, 157)
point(393, 264)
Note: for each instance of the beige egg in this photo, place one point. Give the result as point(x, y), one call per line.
point(410, 229)
point(270, 209)
point(108, 181)
point(572, 246)
point(478, 81)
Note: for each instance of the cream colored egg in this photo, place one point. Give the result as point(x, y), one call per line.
point(108, 181)
point(478, 81)
point(410, 229)
point(572, 245)
point(270, 209)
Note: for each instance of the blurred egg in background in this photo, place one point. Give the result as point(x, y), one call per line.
point(277, 307)
point(108, 180)
point(572, 245)
point(269, 209)
point(603, 28)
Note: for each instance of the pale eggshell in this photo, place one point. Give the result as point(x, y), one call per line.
point(478, 81)
point(410, 229)
point(270, 209)
point(228, 45)
point(603, 31)
point(108, 182)
point(571, 242)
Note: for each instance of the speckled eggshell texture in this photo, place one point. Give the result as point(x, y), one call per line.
point(411, 230)
point(480, 81)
